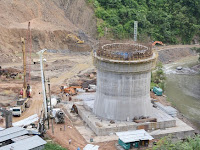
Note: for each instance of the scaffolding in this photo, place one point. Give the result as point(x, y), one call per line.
point(125, 51)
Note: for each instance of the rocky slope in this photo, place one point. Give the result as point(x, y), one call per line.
point(50, 21)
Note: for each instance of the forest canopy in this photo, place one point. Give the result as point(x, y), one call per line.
point(170, 21)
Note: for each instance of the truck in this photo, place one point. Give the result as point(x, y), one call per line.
point(158, 91)
point(20, 106)
point(37, 61)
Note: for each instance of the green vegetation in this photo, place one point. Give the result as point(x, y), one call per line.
point(167, 144)
point(53, 146)
point(197, 50)
point(170, 21)
point(158, 77)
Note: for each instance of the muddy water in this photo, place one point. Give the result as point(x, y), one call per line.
point(183, 88)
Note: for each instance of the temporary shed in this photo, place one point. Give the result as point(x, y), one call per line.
point(12, 132)
point(26, 121)
point(91, 147)
point(31, 143)
point(17, 138)
point(133, 138)
point(1, 128)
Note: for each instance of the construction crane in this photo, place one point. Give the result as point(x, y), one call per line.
point(26, 90)
point(79, 41)
point(8, 115)
point(40, 53)
point(29, 51)
point(24, 94)
point(23, 103)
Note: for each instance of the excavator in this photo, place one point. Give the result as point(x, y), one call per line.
point(70, 90)
point(157, 42)
point(74, 37)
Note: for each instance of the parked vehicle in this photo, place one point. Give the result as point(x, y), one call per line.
point(20, 107)
point(158, 91)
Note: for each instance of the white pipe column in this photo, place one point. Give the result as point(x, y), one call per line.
point(40, 53)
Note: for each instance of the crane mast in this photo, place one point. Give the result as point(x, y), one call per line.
point(24, 67)
point(40, 53)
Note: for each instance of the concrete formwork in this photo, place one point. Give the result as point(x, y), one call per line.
point(123, 86)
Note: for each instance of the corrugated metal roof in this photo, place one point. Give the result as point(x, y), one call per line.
point(25, 144)
point(135, 135)
point(26, 121)
point(12, 132)
point(20, 138)
point(91, 147)
point(1, 128)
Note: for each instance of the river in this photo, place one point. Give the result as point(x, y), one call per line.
point(183, 88)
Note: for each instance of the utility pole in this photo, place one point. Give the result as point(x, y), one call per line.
point(135, 30)
point(50, 107)
point(40, 53)
point(8, 116)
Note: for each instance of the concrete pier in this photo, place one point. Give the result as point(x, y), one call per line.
point(123, 81)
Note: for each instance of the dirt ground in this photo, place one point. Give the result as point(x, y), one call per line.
point(62, 69)
point(50, 21)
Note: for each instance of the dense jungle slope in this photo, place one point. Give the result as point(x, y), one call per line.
point(170, 21)
point(51, 21)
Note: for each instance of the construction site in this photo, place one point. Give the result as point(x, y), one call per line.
point(59, 84)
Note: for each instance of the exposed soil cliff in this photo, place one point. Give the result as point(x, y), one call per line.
point(50, 21)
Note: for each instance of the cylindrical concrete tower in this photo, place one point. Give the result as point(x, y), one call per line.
point(123, 81)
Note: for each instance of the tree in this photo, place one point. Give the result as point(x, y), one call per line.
point(169, 21)
point(197, 51)
point(166, 143)
point(158, 76)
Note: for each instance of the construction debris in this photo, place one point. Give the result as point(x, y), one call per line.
point(146, 120)
point(168, 109)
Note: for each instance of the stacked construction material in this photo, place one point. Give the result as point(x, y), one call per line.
point(168, 109)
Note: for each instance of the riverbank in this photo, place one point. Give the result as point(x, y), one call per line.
point(164, 100)
point(171, 58)
point(169, 54)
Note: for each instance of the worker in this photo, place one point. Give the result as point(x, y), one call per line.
point(21, 92)
point(70, 141)
point(67, 94)
point(28, 90)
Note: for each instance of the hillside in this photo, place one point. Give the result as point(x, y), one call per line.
point(50, 21)
point(159, 20)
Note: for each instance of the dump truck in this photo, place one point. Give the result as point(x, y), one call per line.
point(59, 117)
point(20, 106)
